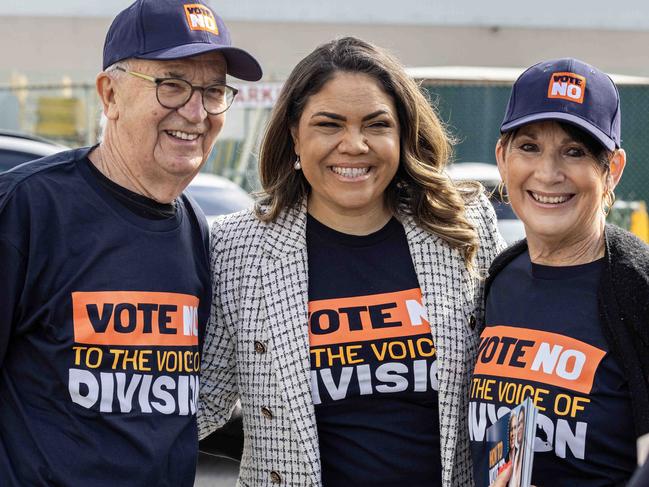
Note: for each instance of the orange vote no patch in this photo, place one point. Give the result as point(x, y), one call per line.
point(135, 318)
point(567, 86)
point(544, 357)
point(199, 17)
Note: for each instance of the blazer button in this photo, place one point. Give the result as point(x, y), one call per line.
point(260, 347)
point(266, 413)
point(275, 478)
point(472, 322)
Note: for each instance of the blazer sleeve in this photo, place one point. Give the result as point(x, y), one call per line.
point(218, 390)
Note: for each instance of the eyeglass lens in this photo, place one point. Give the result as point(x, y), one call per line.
point(174, 93)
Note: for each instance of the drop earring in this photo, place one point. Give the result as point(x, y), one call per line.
point(297, 165)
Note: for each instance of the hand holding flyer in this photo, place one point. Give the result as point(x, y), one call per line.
point(511, 444)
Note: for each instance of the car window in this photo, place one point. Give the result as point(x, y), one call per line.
point(9, 158)
point(219, 201)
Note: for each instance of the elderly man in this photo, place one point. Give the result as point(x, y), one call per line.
point(104, 281)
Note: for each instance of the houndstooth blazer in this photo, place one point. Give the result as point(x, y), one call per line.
point(257, 343)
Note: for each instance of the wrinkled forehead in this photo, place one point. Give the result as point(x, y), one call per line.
point(211, 64)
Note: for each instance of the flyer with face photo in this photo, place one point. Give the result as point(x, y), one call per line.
point(511, 442)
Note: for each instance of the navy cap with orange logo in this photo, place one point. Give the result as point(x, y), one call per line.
point(566, 90)
point(174, 29)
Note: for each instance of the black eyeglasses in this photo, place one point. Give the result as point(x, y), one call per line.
point(175, 92)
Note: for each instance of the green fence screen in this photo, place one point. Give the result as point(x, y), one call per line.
point(473, 113)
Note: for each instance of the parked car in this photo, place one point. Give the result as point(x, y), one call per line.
point(511, 228)
point(217, 195)
point(16, 148)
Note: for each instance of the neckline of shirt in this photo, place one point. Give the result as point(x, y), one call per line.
point(322, 231)
point(548, 272)
point(121, 209)
point(137, 203)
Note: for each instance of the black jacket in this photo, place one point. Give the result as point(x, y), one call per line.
point(623, 302)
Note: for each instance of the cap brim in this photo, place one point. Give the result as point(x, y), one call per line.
point(604, 139)
point(240, 64)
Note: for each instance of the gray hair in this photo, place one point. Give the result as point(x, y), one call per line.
point(113, 73)
point(112, 70)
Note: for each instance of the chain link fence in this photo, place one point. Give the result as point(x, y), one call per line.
point(472, 109)
point(69, 114)
point(65, 112)
point(473, 112)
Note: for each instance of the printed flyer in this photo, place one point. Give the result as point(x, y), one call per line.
point(511, 442)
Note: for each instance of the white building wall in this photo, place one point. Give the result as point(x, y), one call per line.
point(588, 14)
point(46, 41)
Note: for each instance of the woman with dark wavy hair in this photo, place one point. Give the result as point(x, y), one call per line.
point(345, 305)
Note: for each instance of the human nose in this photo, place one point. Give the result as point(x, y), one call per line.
point(193, 110)
point(353, 142)
point(549, 169)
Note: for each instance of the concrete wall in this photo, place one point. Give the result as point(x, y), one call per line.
point(48, 48)
point(586, 14)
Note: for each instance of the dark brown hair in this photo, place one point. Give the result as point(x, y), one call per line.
point(420, 188)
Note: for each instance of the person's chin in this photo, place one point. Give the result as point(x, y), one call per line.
point(553, 229)
point(183, 165)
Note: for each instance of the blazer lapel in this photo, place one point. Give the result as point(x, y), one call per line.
point(285, 283)
point(439, 271)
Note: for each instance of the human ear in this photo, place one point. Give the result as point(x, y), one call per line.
point(500, 160)
point(616, 168)
point(106, 91)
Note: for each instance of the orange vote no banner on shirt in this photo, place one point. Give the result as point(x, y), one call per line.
point(544, 357)
point(365, 318)
point(135, 318)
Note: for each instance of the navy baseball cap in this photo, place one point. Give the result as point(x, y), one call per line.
point(174, 29)
point(566, 90)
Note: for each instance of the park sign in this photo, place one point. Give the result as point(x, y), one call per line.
point(257, 95)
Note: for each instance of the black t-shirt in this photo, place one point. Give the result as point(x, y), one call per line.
point(137, 203)
point(103, 311)
point(373, 361)
point(544, 339)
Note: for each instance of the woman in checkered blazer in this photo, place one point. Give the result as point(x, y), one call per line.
point(345, 304)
